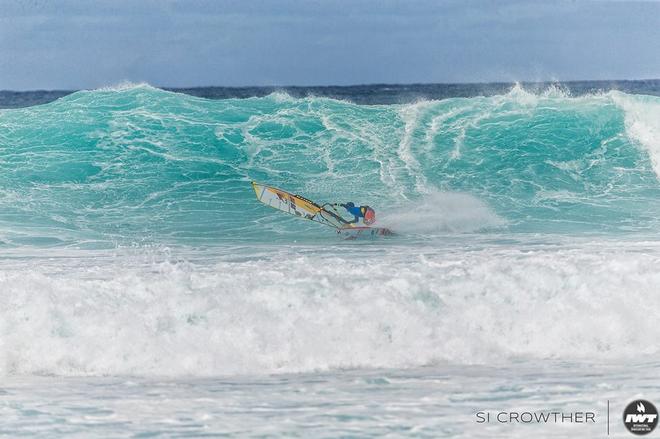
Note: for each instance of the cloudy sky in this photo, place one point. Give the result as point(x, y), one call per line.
point(71, 44)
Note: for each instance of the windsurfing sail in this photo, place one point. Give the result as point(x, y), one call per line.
point(299, 206)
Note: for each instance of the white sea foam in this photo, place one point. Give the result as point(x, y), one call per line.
point(410, 115)
point(642, 118)
point(320, 308)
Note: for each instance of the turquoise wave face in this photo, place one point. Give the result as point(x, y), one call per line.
point(141, 165)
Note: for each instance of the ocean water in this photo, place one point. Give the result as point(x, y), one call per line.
point(145, 292)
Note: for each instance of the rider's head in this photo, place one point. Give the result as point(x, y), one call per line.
point(350, 204)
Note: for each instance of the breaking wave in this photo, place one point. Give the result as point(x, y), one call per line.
point(301, 311)
point(135, 164)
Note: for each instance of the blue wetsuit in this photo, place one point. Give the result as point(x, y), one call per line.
point(354, 210)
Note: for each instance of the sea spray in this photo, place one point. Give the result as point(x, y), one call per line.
point(441, 212)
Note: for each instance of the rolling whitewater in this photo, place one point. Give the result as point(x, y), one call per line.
point(134, 255)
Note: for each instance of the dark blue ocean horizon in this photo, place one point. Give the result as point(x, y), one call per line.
point(366, 94)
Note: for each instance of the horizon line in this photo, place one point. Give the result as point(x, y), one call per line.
point(54, 90)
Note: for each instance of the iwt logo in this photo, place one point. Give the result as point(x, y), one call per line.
point(640, 417)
